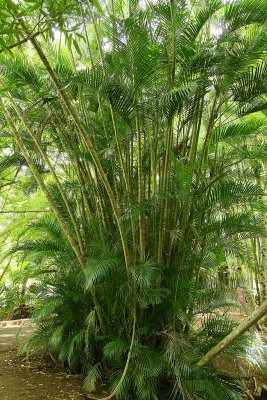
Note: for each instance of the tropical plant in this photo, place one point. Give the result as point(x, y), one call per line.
point(141, 124)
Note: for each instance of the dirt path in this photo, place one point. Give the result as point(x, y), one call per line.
point(34, 380)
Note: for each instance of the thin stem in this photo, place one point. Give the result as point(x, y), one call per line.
point(91, 149)
point(58, 183)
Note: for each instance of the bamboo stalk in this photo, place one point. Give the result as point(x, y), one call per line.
point(204, 154)
point(90, 147)
point(113, 114)
point(41, 183)
point(140, 188)
point(6, 268)
point(46, 160)
point(192, 159)
point(52, 204)
point(247, 323)
point(164, 190)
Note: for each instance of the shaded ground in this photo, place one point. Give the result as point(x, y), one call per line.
point(39, 380)
point(34, 380)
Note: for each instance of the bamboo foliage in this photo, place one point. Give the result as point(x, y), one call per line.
point(147, 117)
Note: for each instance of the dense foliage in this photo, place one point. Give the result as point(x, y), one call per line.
point(135, 131)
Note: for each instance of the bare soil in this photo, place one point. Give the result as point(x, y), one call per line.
point(36, 379)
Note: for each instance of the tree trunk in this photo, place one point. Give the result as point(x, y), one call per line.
point(263, 259)
point(238, 331)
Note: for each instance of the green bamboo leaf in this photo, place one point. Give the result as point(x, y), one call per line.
point(77, 47)
point(98, 6)
point(5, 13)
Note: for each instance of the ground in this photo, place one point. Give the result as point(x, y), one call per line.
point(34, 380)
point(39, 380)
